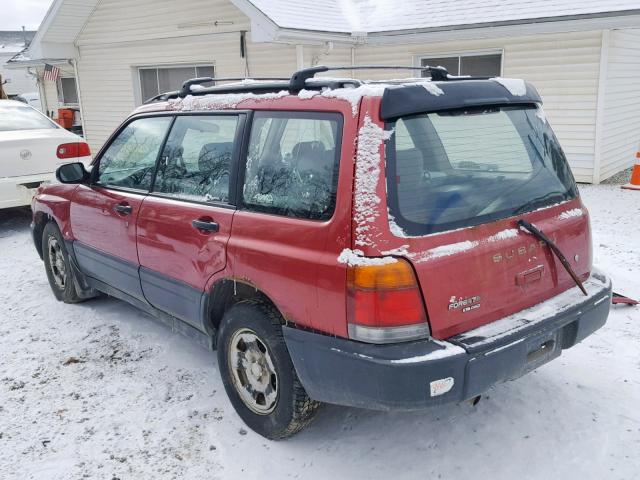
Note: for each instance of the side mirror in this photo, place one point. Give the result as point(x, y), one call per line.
point(72, 173)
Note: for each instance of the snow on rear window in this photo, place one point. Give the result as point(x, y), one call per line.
point(576, 212)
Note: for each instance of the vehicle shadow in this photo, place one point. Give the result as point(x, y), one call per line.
point(14, 220)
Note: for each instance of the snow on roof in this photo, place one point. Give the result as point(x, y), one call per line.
point(367, 16)
point(14, 41)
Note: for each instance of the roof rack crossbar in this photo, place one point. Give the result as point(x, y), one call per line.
point(186, 86)
point(299, 78)
point(295, 83)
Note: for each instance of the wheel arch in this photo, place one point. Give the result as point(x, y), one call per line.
point(227, 292)
point(40, 220)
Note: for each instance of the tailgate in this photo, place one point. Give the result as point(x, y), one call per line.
point(474, 276)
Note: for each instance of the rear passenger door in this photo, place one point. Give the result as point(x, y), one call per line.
point(185, 222)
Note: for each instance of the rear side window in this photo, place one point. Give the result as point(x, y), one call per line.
point(465, 167)
point(196, 161)
point(130, 158)
point(292, 164)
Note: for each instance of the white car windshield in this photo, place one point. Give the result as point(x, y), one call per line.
point(17, 117)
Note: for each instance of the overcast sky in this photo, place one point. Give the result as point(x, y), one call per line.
point(16, 13)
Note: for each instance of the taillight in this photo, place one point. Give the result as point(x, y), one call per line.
point(385, 304)
point(73, 150)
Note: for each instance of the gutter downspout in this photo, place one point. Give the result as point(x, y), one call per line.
point(44, 102)
point(79, 92)
point(602, 90)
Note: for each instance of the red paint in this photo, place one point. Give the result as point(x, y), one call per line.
point(169, 244)
point(95, 221)
point(474, 272)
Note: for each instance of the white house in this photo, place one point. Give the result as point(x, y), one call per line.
point(584, 58)
point(20, 81)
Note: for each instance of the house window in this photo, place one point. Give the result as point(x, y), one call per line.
point(67, 92)
point(476, 65)
point(157, 80)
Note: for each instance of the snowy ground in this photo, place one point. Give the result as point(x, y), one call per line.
point(99, 390)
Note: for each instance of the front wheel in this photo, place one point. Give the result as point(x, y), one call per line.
point(258, 374)
point(56, 263)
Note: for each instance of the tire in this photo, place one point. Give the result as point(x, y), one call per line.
point(292, 409)
point(57, 265)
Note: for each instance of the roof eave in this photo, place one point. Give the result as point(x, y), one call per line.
point(35, 62)
point(606, 20)
point(626, 18)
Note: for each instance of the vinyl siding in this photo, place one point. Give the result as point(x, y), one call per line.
point(621, 113)
point(122, 36)
point(563, 67)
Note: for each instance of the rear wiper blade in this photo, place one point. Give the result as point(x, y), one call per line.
point(539, 200)
point(554, 248)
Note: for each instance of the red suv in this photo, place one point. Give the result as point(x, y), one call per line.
point(386, 245)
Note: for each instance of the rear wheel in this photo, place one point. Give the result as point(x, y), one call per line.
point(56, 263)
point(258, 374)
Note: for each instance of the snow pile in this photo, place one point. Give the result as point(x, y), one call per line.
point(448, 350)
point(356, 258)
point(541, 115)
point(145, 403)
point(307, 94)
point(516, 86)
point(503, 235)
point(367, 175)
point(566, 215)
point(538, 313)
point(395, 228)
point(432, 88)
point(354, 95)
point(401, 251)
point(447, 250)
point(219, 101)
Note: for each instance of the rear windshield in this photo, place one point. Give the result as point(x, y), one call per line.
point(17, 117)
point(464, 167)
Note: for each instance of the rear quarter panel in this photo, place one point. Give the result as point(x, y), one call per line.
point(294, 261)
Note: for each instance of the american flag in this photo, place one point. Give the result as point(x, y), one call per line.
point(51, 72)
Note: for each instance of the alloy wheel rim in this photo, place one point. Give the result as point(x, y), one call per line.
point(56, 262)
point(254, 376)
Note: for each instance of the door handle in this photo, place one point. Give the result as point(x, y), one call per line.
point(205, 225)
point(123, 208)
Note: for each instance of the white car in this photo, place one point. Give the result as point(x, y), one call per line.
point(32, 147)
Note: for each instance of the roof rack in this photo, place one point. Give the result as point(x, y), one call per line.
point(298, 81)
point(186, 86)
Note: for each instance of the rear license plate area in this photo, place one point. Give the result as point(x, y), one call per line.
point(542, 349)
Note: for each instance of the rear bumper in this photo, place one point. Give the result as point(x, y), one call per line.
point(419, 374)
point(18, 191)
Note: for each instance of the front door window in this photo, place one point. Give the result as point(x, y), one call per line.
point(130, 159)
